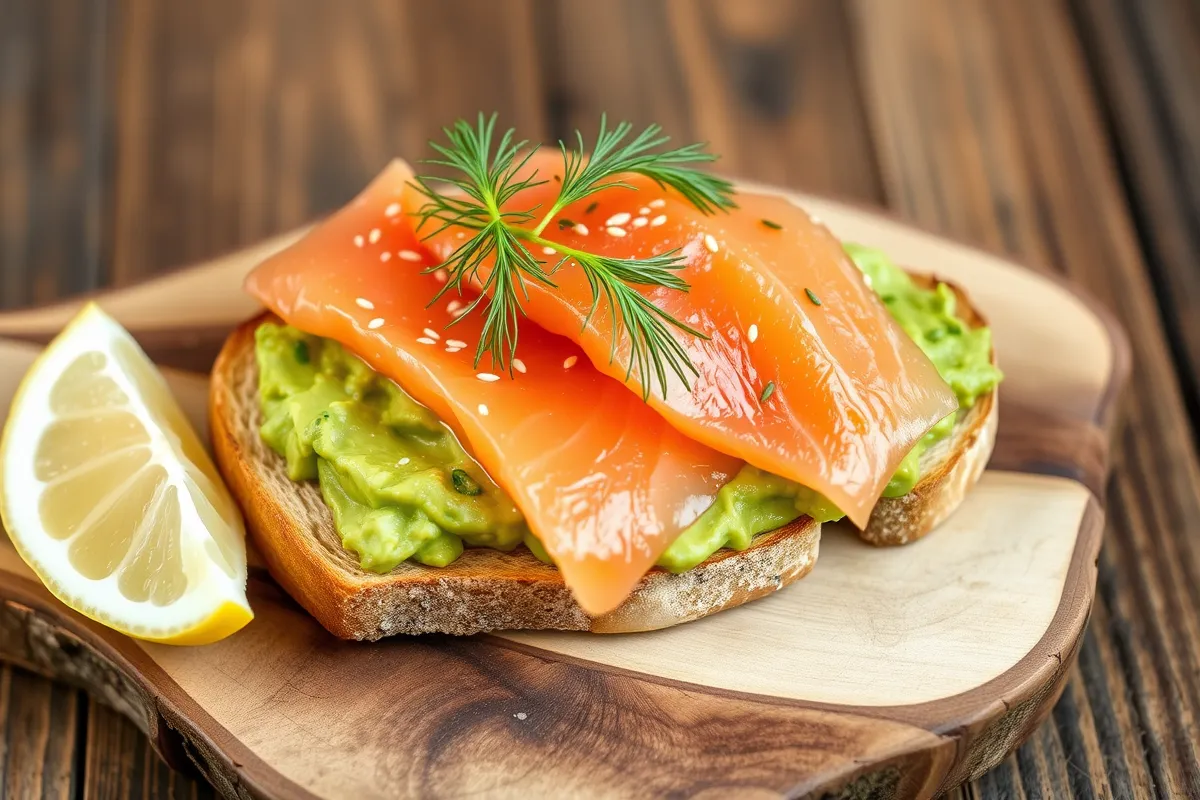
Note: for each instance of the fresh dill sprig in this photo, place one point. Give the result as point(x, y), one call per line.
point(489, 176)
point(585, 174)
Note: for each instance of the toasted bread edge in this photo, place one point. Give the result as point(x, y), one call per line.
point(948, 470)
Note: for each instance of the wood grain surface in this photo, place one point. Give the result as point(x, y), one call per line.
point(137, 136)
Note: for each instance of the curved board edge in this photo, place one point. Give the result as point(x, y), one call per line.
point(199, 295)
point(39, 634)
point(953, 739)
point(842, 752)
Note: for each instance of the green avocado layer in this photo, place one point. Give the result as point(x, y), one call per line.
point(400, 486)
point(398, 483)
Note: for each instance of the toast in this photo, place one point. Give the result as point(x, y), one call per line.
point(484, 589)
point(490, 590)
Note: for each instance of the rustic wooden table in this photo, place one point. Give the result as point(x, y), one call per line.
point(137, 136)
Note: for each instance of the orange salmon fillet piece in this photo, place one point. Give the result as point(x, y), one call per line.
point(603, 481)
point(852, 393)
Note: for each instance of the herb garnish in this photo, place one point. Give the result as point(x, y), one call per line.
point(490, 175)
point(775, 226)
point(464, 483)
point(816, 301)
point(591, 207)
point(767, 391)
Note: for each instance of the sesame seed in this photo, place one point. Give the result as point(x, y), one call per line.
point(453, 306)
point(639, 221)
point(487, 377)
point(519, 365)
point(409, 255)
point(455, 343)
point(385, 256)
point(363, 302)
point(644, 211)
point(483, 409)
point(442, 276)
point(521, 715)
point(659, 203)
point(374, 235)
point(619, 219)
point(581, 229)
point(431, 333)
point(453, 349)
point(752, 334)
point(549, 251)
point(426, 340)
point(570, 362)
point(375, 324)
point(458, 312)
point(711, 243)
point(403, 461)
point(358, 240)
point(615, 231)
point(392, 210)
point(659, 220)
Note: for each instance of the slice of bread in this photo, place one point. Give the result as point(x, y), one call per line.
point(948, 469)
point(489, 590)
point(484, 589)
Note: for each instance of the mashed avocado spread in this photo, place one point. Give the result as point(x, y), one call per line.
point(400, 486)
point(398, 483)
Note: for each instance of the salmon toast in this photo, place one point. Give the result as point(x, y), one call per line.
point(599, 392)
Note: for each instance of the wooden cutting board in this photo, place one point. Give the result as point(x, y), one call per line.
point(897, 672)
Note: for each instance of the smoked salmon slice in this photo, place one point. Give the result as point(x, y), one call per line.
point(603, 481)
point(804, 374)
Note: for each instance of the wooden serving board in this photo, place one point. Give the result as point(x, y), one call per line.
point(897, 672)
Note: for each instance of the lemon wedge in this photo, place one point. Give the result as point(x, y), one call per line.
point(112, 500)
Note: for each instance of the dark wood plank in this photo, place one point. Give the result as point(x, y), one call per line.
point(121, 764)
point(769, 83)
point(1019, 159)
point(238, 120)
point(39, 743)
point(1145, 57)
point(1103, 664)
point(54, 64)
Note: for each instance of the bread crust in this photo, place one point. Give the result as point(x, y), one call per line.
point(948, 470)
point(484, 589)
